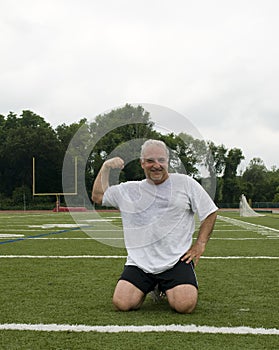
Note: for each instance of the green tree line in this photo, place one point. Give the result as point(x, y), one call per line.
point(29, 136)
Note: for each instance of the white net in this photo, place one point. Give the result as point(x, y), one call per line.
point(245, 209)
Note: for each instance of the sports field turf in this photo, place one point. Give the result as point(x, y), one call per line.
point(56, 287)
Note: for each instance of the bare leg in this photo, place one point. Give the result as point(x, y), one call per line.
point(127, 297)
point(183, 298)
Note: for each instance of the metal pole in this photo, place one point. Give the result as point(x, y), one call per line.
point(57, 203)
point(34, 176)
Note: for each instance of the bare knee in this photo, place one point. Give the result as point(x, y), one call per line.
point(122, 304)
point(127, 297)
point(184, 308)
point(183, 298)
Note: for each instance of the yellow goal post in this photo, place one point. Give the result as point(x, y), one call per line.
point(57, 194)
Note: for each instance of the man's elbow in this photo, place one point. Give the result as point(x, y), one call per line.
point(210, 218)
point(213, 216)
point(97, 198)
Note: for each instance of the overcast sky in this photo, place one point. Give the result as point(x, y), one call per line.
point(216, 62)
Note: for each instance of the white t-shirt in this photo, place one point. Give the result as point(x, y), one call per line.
point(158, 220)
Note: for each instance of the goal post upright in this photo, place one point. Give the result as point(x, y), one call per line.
point(57, 194)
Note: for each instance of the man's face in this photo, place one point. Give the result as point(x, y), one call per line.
point(155, 164)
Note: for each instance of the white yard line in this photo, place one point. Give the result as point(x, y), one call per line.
point(73, 238)
point(239, 257)
point(22, 230)
point(101, 230)
point(122, 257)
point(263, 230)
point(62, 257)
point(9, 235)
point(121, 238)
point(243, 239)
point(231, 230)
point(138, 329)
point(88, 230)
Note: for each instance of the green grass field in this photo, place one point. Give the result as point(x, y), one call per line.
point(56, 288)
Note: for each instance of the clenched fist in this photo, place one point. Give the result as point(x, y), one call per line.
point(114, 163)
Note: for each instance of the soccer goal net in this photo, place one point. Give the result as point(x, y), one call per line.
point(245, 209)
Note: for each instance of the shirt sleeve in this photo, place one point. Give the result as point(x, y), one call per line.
point(201, 202)
point(110, 198)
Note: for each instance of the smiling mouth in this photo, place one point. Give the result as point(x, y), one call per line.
point(156, 174)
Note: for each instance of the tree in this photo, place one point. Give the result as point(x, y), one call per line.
point(21, 196)
point(216, 162)
point(216, 159)
point(231, 190)
point(260, 184)
point(273, 185)
point(118, 128)
point(65, 133)
point(187, 154)
point(119, 132)
point(25, 137)
point(255, 179)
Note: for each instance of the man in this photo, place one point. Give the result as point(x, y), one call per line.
point(158, 222)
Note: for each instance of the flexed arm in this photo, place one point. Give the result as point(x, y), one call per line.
point(101, 182)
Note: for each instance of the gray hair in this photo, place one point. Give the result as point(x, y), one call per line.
point(157, 143)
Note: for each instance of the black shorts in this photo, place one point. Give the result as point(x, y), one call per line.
point(181, 273)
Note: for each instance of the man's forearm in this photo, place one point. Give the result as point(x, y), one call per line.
point(100, 184)
point(102, 180)
point(195, 252)
point(206, 228)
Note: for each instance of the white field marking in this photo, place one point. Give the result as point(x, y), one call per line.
point(79, 238)
point(231, 230)
point(21, 225)
point(222, 223)
point(138, 329)
point(98, 220)
point(263, 230)
point(103, 219)
point(8, 235)
point(217, 224)
point(63, 256)
point(58, 225)
point(43, 230)
point(212, 238)
point(239, 257)
point(16, 216)
point(122, 257)
point(16, 230)
point(96, 230)
point(243, 239)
